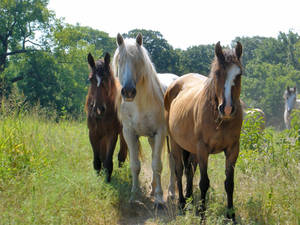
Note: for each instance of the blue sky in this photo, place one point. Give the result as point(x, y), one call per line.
point(185, 23)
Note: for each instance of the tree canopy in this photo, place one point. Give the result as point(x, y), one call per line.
point(46, 59)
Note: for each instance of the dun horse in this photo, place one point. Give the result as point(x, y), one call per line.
point(102, 118)
point(291, 102)
point(140, 108)
point(204, 116)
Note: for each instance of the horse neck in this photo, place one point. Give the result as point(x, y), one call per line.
point(209, 95)
point(150, 88)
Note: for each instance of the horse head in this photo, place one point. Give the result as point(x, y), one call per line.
point(227, 71)
point(130, 65)
point(290, 97)
point(100, 88)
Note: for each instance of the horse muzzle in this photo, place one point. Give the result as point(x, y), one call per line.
point(128, 93)
point(225, 111)
point(97, 111)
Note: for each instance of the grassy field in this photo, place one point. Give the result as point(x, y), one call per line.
point(46, 177)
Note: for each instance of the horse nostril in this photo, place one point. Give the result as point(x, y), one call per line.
point(123, 91)
point(133, 92)
point(221, 108)
point(102, 108)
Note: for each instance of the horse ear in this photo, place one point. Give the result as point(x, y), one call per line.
point(139, 39)
point(219, 52)
point(120, 39)
point(91, 60)
point(238, 50)
point(107, 59)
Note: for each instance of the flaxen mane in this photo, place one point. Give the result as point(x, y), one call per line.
point(149, 72)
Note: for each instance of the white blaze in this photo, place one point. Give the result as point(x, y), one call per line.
point(233, 71)
point(98, 80)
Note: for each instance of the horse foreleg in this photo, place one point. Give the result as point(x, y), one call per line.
point(123, 150)
point(133, 145)
point(153, 182)
point(108, 163)
point(157, 167)
point(95, 142)
point(231, 157)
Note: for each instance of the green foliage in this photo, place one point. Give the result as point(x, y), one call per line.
point(197, 59)
point(263, 86)
point(252, 131)
point(19, 22)
point(162, 53)
point(46, 177)
point(60, 70)
point(295, 121)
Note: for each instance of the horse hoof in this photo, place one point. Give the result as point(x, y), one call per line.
point(231, 216)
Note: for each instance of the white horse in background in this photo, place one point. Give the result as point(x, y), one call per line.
point(291, 102)
point(141, 109)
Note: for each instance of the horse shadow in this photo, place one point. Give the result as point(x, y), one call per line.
point(141, 211)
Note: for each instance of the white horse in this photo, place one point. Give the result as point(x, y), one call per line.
point(141, 110)
point(291, 102)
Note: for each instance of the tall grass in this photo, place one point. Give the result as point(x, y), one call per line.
point(46, 177)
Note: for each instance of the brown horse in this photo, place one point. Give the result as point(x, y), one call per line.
point(103, 123)
point(204, 116)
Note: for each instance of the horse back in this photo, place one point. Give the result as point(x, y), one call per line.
point(186, 81)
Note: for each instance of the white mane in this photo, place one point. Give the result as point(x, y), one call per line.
point(147, 68)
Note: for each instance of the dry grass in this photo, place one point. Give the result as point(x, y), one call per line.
point(46, 177)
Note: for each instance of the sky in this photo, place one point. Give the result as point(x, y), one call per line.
point(185, 23)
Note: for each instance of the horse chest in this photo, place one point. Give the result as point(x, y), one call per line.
point(142, 123)
point(220, 140)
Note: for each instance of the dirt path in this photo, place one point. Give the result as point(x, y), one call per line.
point(142, 212)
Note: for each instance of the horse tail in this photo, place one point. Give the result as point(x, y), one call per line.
point(170, 94)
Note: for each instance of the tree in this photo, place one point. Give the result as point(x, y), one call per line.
point(197, 59)
point(162, 54)
point(69, 35)
point(40, 83)
point(20, 20)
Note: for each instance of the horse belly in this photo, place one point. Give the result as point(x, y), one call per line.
point(181, 127)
